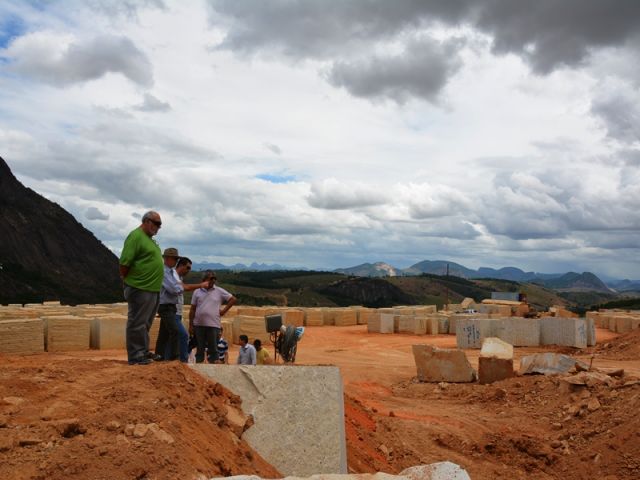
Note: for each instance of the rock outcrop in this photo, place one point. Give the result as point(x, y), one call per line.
point(45, 254)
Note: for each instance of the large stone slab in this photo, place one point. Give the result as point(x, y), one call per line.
point(298, 413)
point(571, 332)
point(470, 332)
point(313, 317)
point(442, 365)
point(519, 331)
point(67, 333)
point(22, 336)
point(549, 364)
point(381, 323)
point(109, 333)
point(496, 361)
point(416, 325)
point(252, 327)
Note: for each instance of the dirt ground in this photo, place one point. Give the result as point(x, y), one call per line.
point(90, 415)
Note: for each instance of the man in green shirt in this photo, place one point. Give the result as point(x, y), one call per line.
point(141, 270)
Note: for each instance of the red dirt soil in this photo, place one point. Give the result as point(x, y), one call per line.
point(64, 416)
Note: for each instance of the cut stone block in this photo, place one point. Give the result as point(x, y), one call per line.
point(313, 317)
point(22, 336)
point(109, 333)
point(328, 316)
point(571, 332)
point(299, 433)
point(549, 364)
point(364, 314)
point(442, 365)
point(591, 331)
point(496, 361)
point(519, 332)
point(252, 327)
point(492, 369)
point(496, 348)
point(415, 325)
point(67, 333)
point(471, 331)
point(380, 323)
point(345, 317)
point(293, 317)
point(432, 324)
point(443, 325)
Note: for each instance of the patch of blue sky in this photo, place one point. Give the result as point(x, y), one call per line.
point(275, 178)
point(11, 27)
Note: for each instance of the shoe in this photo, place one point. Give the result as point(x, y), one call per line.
point(144, 361)
point(154, 357)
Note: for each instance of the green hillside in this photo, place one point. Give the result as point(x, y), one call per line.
point(330, 289)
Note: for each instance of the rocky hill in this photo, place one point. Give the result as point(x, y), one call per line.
point(45, 254)
point(378, 269)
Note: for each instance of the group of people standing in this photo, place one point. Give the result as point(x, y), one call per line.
point(153, 283)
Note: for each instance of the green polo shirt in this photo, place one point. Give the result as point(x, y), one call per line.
point(143, 257)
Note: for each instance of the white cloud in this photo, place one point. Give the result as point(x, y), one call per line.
point(268, 148)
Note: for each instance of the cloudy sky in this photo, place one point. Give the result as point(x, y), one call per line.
point(328, 134)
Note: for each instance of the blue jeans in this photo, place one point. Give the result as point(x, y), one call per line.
point(183, 340)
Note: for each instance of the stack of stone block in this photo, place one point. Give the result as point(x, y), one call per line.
point(527, 332)
point(22, 336)
point(313, 317)
point(381, 323)
point(66, 333)
point(108, 332)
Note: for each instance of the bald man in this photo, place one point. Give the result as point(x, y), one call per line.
point(141, 271)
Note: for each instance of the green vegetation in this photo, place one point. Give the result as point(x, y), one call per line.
point(329, 289)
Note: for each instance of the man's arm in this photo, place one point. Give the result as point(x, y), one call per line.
point(252, 356)
point(192, 315)
point(189, 287)
point(230, 303)
point(124, 271)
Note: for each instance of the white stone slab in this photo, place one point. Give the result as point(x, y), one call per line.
point(570, 332)
point(471, 331)
point(519, 331)
point(298, 413)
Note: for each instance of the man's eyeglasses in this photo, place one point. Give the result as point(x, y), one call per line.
point(155, 222)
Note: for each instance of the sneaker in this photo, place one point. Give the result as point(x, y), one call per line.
point(154, 357)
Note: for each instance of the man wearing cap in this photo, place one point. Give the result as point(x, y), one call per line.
point(172, 289)
point(141, 273)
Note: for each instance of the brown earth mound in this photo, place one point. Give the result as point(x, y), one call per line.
point(539, 428)
point(624, 347)
point(107, 420)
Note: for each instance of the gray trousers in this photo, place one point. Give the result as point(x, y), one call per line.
point(143, 306)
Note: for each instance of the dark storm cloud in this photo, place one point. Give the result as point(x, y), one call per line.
point(620, 114)
point(80, 62)
point(420, 71)
point(546, 33)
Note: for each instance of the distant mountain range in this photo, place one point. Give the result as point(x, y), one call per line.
point(569, 281)
point(241, 267)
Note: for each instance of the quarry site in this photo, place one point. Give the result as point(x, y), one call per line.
point(367, 393)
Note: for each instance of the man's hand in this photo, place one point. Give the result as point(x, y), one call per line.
point(204, 285)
